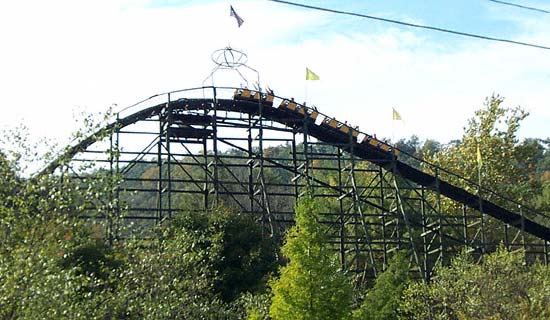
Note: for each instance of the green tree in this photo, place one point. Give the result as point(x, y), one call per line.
point(506, 169)
point(246, 255)
point(383, 300)
point(312, 284)
point(54, 265)
point(502, 287)
point(197, 267)
point(542, 201)
point(45, 270)
point(168, 277)
point(493, 130)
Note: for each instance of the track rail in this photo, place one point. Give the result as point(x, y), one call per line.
point(328, 130)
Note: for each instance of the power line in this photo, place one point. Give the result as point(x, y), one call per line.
point(519, 6)
point(460, 33)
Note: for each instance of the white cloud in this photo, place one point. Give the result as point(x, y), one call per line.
point(63, 54)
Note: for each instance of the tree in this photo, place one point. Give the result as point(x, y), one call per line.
point(197, 267)
point(56, 265)
point(429, 148)
point(502, 287)
point(246, 256)
point(383, 299)
point(168, 277)
point(542, 201)
point(45, 267)
point(312, 284)
point(489, 155)
point(493, 130)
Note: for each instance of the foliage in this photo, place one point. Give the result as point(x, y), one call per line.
point(542, 201)
point(194, 268)
point(490, 155)
point(212, 265)
point(493, 130)
point(501, 287)
point(246, 255)
point(383, 300)
point(34, 283)
point(54, 265)
point(168, 278)
point(311, 285)
point(256, 305)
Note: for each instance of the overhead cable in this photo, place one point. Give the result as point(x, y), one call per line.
point(460, 33)
point(520, 6)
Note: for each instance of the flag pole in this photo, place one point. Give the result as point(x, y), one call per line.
point(309, 76)
point(480, 199)
point(305, 99)
point(395, 116)
point(305, 86)
point(479, 163)
point(393, 129)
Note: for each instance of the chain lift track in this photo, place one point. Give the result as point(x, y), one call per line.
point(178, 152)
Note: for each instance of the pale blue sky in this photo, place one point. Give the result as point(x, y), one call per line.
point(63, 55)
point(474, 16)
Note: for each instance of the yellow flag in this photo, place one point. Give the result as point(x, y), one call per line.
point(310, 75)
point(479, 160)
point(396, 115)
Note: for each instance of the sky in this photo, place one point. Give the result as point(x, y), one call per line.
point(59, 58)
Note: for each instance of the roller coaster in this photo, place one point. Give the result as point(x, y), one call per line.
point(193, 149)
